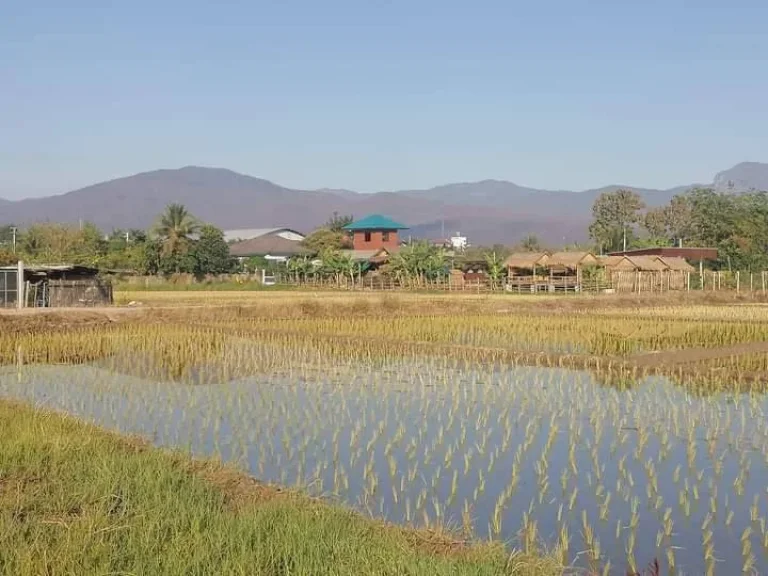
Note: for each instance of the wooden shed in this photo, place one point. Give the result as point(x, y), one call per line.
point(61, 285)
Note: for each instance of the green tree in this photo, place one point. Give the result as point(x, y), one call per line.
point(324, 239)
point(59, 243)
point(7, 257)
point(92, 246)
point(211, 252)
point(7, 235)
point(677, 218)
point(614, 215)
point(175, 227)
point(655, 223)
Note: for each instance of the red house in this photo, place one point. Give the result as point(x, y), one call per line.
point(374, 233)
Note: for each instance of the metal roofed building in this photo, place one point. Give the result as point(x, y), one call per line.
point(271, 243)
point(375, 232)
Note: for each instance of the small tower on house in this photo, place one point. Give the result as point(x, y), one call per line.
point(374, 233)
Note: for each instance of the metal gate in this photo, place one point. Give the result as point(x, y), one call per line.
point(9, 289)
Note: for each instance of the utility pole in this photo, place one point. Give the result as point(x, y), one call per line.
point(13, 231)
point(625, 238)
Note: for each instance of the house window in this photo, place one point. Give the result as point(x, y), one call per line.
point(367, 236)
point(385, 236)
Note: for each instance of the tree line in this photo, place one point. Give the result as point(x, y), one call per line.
point(177, 243)
point(734, 223)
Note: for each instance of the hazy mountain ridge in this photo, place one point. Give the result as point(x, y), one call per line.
point(488, 211)
point(743, 177)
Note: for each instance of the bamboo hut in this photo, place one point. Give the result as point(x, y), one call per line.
point(642, 273)
point(676, 263)
point(566, 269)
point(525, 263)
point(526, 270)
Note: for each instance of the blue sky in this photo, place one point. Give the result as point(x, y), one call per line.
point(374, 95)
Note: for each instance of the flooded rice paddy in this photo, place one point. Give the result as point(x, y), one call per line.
point(536, 457)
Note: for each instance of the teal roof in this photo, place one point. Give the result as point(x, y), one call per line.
point(375, 222)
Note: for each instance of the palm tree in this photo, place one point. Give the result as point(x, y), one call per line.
point(174, 228)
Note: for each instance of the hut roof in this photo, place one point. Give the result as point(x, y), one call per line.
point(647, 263)
point(571, 259)
point(676, 263)
point(641, 263)
point(526, 259)
point(613, 261)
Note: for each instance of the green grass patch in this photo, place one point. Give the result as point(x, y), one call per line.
point(75, 499)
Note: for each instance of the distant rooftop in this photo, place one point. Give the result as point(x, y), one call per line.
point(696, 253)
point(375, 222)
point(248, 234)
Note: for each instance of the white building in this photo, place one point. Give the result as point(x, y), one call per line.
point(458, 242)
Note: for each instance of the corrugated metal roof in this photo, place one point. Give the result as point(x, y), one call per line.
point(375, 222)
point(365, 255)
point(251, 233)
point(687, 252)
point(32, 268)
point(266, 245)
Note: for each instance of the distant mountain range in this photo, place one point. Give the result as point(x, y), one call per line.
point(487, 212)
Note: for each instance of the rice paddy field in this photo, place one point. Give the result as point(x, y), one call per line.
point(614, 436)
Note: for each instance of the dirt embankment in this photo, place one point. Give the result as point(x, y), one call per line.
point(692, 355)
point(42, 319)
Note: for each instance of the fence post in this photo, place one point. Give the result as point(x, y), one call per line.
point(21, 293)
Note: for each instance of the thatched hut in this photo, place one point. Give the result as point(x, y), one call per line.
point(638, 273)
point(571, 261)
point(566, 269)
point(675, 263)
point(633, 263)
point(525, 263)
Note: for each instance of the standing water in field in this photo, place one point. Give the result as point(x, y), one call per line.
point(532, 456)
